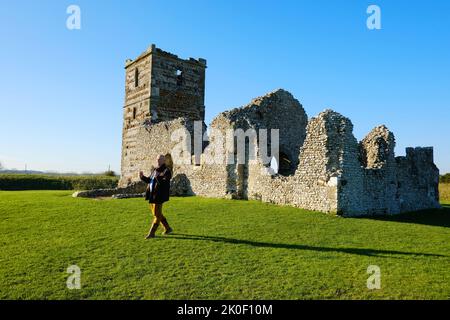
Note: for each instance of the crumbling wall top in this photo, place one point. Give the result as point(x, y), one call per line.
point(152, 49)
point(270, 105)
point(377, 148)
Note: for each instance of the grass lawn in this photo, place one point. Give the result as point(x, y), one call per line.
point(221, 249)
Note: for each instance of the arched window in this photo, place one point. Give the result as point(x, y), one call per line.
point(273, 169)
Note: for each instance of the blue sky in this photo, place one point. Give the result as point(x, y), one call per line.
point(62, 90)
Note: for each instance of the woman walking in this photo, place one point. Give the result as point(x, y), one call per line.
point(157, 192)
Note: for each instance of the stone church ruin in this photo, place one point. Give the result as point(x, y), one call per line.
point(321, 165)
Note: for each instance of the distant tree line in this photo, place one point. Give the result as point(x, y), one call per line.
point(54, 182)
point(445, 178)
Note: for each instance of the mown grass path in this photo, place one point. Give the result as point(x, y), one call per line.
point(221, 249)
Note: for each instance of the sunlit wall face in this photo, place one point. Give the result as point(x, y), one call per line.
point(62, 78)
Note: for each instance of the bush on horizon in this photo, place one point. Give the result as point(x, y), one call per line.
point(445, 178)
point(18, 182)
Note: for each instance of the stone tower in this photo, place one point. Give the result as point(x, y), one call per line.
point(159, 86)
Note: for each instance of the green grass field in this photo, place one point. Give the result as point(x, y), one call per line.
point(221, 249)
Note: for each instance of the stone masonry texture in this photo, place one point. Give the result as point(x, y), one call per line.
point(322, 166)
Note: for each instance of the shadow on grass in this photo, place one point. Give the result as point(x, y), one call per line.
point(432, 217)
point(358, 251)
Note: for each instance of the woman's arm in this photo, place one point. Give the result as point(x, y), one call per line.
point(144, 178)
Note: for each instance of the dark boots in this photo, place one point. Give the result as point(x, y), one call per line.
point(151, 233)
point(167, 228)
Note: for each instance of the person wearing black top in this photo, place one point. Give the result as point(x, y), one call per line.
point(157, 192)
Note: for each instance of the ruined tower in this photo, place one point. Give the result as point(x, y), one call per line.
point(322, 166)
point(159, 86)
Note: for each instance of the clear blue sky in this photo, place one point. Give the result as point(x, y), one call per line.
point(62, 91)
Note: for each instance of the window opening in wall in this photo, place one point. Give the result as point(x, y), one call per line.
point(273, 169)
point(179, 74)
point(285, 165)
point(136, 77)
